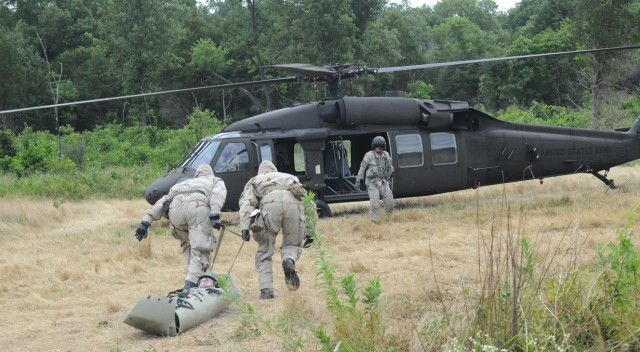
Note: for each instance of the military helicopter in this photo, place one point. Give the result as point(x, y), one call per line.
point(437, 146)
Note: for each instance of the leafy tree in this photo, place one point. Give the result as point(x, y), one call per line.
point(7, 17)
point(24, 82)
point(600, 24)
point(547, 80)
point(7, 148)
point(240, 29)
point(398, 37)
point(211, 61)
point(140, 37)
point(481, 12)
point(459, 39)
point(11, 71)
point(531, 17)
point(93, 76)
point(419, 90)
point(365, 12)
point(65, 25)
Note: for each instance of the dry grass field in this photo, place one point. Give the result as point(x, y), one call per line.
point(71, 272)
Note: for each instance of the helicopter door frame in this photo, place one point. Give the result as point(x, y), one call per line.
point(236, 177)
point(426, 162)
point(408, 153)
point(261, 151)
point(446, 156)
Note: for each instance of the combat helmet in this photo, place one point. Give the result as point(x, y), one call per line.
point(378, 141)
point(208, 275)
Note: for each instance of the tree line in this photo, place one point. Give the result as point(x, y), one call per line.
point(70, 50)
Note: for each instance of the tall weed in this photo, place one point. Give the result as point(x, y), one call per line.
point(357, 324)
point(530, 302)
point(617, 308)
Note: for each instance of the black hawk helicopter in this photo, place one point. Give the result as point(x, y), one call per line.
point(437, 146)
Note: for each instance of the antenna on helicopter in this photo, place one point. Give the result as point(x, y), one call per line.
point(259, 127)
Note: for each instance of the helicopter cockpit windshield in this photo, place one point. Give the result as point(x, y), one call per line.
point(202, 154)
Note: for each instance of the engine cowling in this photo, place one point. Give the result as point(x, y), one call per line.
point(351, 111)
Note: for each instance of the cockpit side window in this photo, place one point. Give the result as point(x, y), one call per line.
point(234, 157)
point(265, 152)
point(204, 154)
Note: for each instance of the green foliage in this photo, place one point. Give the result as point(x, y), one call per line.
point(619, 280)
point(356, 312)
point(113, 161)
point(8, 149)
point(419, 90)
point(543, 114)
point(458, 38)
point(526, 305)
point(36, 152)
point(207, 56)
point(546, 80)
point(356, 319)
point(117, 47)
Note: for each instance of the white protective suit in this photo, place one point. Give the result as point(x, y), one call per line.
point(270, 192)
point(193, 201)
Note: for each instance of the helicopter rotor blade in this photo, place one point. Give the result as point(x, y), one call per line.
point(306, 70)
point(166, 92)
point(466, 62)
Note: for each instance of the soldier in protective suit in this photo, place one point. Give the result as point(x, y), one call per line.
point(194, 210)
point(376, 170)
point(277, 195)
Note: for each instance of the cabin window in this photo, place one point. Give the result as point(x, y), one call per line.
point(409, 148)
point(205, 154)
point(298, 158)
point(265, 153)
point(234, 157)
point(443, 148)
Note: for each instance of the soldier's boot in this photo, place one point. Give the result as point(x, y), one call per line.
point(266, 293)
point(290, 276)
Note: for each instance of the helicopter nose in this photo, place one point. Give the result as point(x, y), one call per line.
point(151, 195)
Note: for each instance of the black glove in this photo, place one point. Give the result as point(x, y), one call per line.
point(308, 240)
point(363, 187)
point(215, 220)
point(141, 231)
point(245, 235)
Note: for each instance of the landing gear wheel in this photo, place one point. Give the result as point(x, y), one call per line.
point(323, 209)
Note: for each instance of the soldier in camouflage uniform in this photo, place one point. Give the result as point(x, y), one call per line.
point(280, 208)
point(376, 170)
point(193, 212)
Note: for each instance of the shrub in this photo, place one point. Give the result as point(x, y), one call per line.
point(112, 161)
point(543, 114)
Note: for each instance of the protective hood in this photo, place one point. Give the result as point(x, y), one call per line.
point(204, 170)
point(266, 167)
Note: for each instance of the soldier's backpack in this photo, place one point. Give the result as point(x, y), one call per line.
point(168, 200)
point(297, 190)
point(165, 207)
